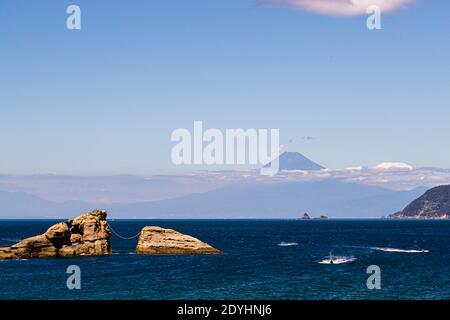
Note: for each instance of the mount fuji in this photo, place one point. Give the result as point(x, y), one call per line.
point(296, 161)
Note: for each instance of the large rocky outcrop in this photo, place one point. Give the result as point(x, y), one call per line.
point(87, 234)
point(434, 204)
point(156, 240)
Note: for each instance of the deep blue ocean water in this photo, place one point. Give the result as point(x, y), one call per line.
point(254, 265)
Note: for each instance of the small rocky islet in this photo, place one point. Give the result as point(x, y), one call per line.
point(156, 240)
point(89, 234)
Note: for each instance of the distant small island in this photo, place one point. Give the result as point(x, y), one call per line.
point(434, 204)
point(306, 216)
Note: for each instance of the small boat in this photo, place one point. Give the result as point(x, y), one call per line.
point(331, 257)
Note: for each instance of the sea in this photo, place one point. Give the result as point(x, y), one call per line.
point(263, 259)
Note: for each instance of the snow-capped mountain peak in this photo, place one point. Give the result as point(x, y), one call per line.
point(394, 166)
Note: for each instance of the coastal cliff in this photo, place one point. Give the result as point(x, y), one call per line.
point(87, 234)
point(156, 240)
point(434, 204)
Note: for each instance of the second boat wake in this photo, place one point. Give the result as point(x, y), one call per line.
point(399, 250)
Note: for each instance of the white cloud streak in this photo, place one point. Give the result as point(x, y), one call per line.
point(343, 8)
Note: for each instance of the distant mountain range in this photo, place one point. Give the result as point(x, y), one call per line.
point(21, 205)
point(254, 200)
point(278, 200)
point(301, 186)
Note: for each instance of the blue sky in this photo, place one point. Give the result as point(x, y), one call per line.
point(105, 99)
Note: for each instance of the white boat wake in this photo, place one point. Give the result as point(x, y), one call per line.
point(287, 244)
point(399, 250)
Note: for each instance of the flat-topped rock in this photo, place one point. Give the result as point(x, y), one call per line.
point(87, 234)
point(156, 240)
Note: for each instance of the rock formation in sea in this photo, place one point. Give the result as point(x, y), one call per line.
point(87, 234)
point(434, 204)
point(156, 240)
point(306, 216)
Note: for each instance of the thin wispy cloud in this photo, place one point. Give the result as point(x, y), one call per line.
point(344, 8)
